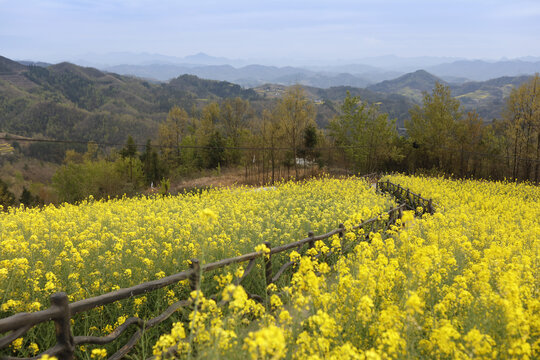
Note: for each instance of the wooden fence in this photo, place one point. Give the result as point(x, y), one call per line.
point(61, 311)
point(405, 196)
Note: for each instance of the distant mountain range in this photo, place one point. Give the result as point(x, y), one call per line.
point(247, 76)
point(252, 72)
point(478, 70)
point(356, 75)
point(116, 58)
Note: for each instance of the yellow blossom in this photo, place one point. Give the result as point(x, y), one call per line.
point(266, 342)
point(98, 354)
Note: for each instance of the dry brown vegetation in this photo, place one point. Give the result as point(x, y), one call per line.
point(31, 173)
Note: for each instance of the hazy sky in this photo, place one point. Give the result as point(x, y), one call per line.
point(54, 30)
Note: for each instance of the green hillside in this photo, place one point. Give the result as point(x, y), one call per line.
point(485, 97)
point(67, 102)
point(411, 85)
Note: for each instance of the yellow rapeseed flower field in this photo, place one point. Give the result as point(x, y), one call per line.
point(99, 246)
point(461, 284)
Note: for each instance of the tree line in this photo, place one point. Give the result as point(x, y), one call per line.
point(281, 141)
point(443, 138)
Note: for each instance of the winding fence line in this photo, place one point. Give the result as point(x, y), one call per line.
point(61, 311)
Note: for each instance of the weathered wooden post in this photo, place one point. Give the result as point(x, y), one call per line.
point(195, 277)
point(341, 234)
point(62, 324)
point(430, 206)
point(311, 243)
point(268, 264)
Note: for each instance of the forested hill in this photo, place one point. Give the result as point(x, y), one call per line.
point(487, 98)
point(412, 84)
point(66, 101)
point(69, 102)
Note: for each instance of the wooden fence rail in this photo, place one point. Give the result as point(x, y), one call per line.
point(61, 311)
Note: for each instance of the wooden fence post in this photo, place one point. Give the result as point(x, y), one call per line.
point(195, 277)
point(430, 206)
point(341, 234)
point(268, 264)
point(311, 243)
point(62, 325)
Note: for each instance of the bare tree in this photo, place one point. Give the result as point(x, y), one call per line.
point(295, 111)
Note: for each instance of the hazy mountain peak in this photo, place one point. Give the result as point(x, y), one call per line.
point(69, 67)
point(205, 59)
